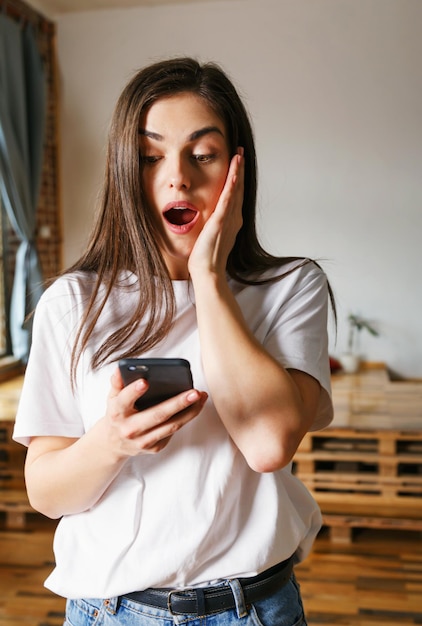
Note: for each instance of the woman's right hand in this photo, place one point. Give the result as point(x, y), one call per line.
point(149, 431)
point(54, 465)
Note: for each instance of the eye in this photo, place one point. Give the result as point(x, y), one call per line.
point(203, 158)
point(149, 159)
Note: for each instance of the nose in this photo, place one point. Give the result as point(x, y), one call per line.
point(178, 173)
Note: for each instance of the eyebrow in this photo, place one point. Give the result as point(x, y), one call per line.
point(197, 134)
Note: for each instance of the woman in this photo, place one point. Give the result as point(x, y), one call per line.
point(186, 512)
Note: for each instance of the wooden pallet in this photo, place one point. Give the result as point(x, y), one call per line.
point(13, 498)
point(379, 463)
point(14, 503)
point(359, 471)
point(342, 526)
point(363, 473)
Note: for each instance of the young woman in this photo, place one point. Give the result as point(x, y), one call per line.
point(186, 512)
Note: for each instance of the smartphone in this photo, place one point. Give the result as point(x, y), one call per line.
point(166, 378)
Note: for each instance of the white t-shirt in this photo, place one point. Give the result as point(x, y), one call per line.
point(195, 512)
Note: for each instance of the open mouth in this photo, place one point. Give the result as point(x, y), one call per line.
point(180, 216)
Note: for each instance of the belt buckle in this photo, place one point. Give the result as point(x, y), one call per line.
point(181, 591)
point(170, 610)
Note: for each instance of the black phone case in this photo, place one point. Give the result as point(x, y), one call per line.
point(166, 378)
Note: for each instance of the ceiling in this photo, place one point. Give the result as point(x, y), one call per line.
point(53, 8)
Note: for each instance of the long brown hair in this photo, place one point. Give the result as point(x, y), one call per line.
point(123, 237)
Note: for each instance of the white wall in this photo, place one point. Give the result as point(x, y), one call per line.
point(335, 90)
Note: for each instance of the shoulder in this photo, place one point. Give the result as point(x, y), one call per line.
point(75, 285)
point(68, 294)
point(80, 286)
point(305, 274)
point(286, 277)
point(298, 270)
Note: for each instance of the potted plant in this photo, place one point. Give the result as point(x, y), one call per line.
point(350, 360)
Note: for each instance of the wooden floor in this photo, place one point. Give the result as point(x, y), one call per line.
point(375, 580)
point(26, 558)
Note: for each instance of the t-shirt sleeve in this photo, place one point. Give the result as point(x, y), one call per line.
point(298, 336)
point(48, 405)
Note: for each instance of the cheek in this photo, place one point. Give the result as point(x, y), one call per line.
point(219, 184)
point(219, 180)
point(149, 186)
point(151, 200)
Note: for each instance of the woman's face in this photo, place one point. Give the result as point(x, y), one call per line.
point(185, 159)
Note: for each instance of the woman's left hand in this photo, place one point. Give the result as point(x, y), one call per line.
point(216, 240)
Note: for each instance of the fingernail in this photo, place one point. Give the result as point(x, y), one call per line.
point(193, 396)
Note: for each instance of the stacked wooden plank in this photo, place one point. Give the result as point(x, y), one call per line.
point(13, 498)
point(366, 468)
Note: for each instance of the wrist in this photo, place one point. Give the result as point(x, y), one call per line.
point(209, 285)
point(207, 276)
point(107, 444)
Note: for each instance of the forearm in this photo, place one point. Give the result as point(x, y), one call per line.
point(256, 398)
point(66, 476)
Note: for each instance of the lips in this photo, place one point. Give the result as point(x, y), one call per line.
point(180, 216)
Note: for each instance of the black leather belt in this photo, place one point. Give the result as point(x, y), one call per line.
point(207, 600)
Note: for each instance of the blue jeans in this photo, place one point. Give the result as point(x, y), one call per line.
point(284, 608)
